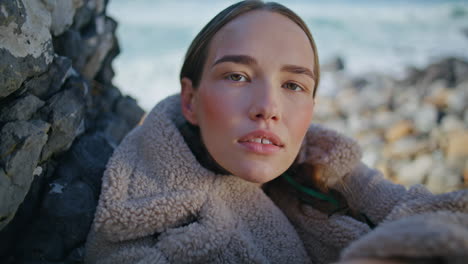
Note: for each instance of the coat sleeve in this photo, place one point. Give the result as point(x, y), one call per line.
point(422, 228)
point(433, 237)
point(367, 191)
point(142, 251)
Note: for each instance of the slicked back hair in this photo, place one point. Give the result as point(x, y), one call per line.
point(197, 54)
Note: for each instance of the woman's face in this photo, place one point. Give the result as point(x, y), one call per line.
point(254, 102)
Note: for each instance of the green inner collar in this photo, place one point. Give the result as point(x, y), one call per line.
point(310, 191)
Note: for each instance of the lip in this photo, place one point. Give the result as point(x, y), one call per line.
point(262, 134)
point(260, 148)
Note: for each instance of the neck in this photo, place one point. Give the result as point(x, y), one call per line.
point(194, 140)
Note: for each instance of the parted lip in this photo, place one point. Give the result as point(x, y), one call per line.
point(262, 134)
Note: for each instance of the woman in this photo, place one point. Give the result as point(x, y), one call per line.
point(194, 183)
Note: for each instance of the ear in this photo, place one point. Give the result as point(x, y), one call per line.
point(188, 100)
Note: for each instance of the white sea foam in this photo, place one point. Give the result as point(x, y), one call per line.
point(380, 35)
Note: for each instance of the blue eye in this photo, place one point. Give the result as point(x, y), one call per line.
point(293, 86)
point(236, 77)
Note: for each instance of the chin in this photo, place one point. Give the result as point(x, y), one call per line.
point(258, 175)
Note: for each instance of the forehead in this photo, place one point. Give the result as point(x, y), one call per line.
point(263, 34)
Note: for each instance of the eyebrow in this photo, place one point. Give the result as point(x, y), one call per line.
point(298, 70)
point(241, 59)
point(248, 60)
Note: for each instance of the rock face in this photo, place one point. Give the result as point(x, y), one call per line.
point(413, 130)
point(26, 43)
point(60, 120)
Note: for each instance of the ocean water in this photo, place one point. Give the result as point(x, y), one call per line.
point(370, 35)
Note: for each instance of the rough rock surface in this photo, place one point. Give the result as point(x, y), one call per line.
point(25, 43)
point(60, 120)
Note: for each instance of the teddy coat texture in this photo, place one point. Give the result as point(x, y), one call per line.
point(159, 205)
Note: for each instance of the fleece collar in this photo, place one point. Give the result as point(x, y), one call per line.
point(335, 153)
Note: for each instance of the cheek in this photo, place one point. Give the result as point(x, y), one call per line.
point(213, 111)
point(299, 121)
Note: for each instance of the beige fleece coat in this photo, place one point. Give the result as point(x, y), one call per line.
point(432, 228)
point(159, 205)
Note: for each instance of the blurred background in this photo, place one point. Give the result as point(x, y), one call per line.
point(394, 74)
point(369, 35)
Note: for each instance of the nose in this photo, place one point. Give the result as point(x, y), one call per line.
point(265, 103)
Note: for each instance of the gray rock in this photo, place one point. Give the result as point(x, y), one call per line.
point(102, 103)
point(50, 82)
point(330, 83)
point(403, 95)
point(106, 73)
point(376, 97)
point(413, 74)
point(437, 71)
point(99, 44)
point(100, 6)
point(70, 45)
point(28, 210)
point(443, 179)
point(51, 224)
point(12, 12)
point(407, 147)
point(39, 245)
point(21, 109)
point(348, 102)
point(451, 123)
point(358, 124)
point(383, 120)
point(25, 46)
point(20, 149)
point(70, 211)
point(77, 255)
point(8, 201)
point(68, 206)
point(113, 127)
point(465, 116)
point(371, 157)
point(337, 124)
point(407, 103)
point(458, 98)
point(335, 64)
point(85, 161)
point(425, 119)
point(62, 13)
point(372, 144)
point(325, 109)
point(84, 14)
point(452, 70)
point(460, 71)
point(62, 225)
point(65, 111)
point(109, 98)
point(414, 172)
point(360, 82)
point(128, 109)
point(378, 82)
